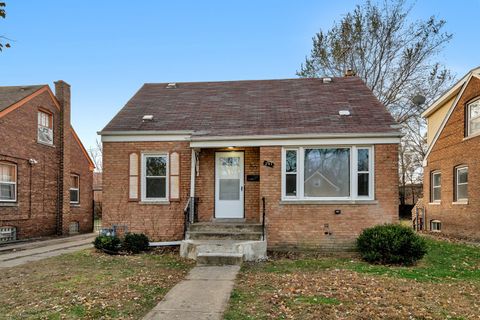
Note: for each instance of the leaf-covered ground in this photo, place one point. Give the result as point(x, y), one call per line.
point(444, 285)
point(89, 285)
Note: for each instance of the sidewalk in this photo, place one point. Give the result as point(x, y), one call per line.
point(18, 254)
point(203, 295)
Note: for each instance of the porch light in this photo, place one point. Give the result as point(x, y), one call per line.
point(231, 148)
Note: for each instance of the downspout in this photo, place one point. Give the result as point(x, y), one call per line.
point(193, 167)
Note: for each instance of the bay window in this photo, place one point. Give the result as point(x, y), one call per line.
point(8, 182)
point(154, 177)
point(327, 173)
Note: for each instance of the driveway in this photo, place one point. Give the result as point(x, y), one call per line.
point(18, 254)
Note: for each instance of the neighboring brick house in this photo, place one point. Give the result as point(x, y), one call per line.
point(451, 200)
point(319, 154)
point(45, 172)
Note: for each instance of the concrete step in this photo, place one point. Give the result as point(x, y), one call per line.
point(250, 250)
point(219, 259)
point(226, 235)
point(226, 227)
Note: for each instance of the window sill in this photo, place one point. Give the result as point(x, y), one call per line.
point(75, 205)
point(46, 144)
point(8, 204)
point(329, 202)
point(435, 203)
point(460, 202)
point(158, 202)
point(475, 135)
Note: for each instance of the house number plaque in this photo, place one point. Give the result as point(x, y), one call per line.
point(268, 164)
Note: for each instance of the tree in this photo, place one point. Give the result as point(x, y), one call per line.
point(395, 58)
point(96, 155)
point(3, 15)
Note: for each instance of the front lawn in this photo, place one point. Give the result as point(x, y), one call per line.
point(444, 285)
point(89, 285)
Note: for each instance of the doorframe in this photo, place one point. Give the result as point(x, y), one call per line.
point(215, 182)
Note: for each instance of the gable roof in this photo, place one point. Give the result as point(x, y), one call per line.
point(255, 108)
point(10, 95)
point(457, 92)
point(13, 97)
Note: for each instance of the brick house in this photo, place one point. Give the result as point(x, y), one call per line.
point(318, 157)
point(45, 172)
point(451, 202)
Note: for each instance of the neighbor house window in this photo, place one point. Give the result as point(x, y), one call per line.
point(8, 182)
point(45, 127)
point(461, 184)
point(322, 173)
point(435, 225)
point(154, 177)
point(74, 188)
point(473, 117)
point(436, 189)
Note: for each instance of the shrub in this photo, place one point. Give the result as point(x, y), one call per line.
point(135, 242)
point(107, 243)
point(391, 244)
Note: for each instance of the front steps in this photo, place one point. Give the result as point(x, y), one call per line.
point(223, 252)
point(224, 242)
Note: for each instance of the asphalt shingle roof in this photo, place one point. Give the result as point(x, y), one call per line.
point(11, 95)
point(256, 107)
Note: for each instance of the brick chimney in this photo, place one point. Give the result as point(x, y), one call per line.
point(62, 92)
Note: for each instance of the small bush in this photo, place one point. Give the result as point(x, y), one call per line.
point(391, 244)
point(135, 242)
point(107, 243)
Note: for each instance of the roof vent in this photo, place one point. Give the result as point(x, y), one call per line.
point(344, 112)
point(327, 80)
point(171, 85)
point(147, 117)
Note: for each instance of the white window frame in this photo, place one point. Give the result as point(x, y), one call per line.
point(469, 119)
point(457, 169)
point(438, 225)
point(75, 189)
point(144, 177)
point(353, 173)
point(49, 117)
point(433, 186)
point(11, 183)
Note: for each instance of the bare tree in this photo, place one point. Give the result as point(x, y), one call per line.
point(3, 15)
point(96, 155)
point(395, 58)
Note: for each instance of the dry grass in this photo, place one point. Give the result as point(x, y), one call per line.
point(445, 285)
point(89, 285)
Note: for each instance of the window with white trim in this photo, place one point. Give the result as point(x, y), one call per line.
point(45, 127)
point(473, 117)
point(327, 173)
point(8, 182)
point(436, 225)
point(154, 177)
point(461, 184)
point(74, 189)
point(436, 186)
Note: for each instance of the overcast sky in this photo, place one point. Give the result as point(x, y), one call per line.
point(107, 49)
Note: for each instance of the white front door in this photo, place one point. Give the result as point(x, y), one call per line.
point(229, 185)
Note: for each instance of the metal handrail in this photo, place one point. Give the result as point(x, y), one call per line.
point(263, 218)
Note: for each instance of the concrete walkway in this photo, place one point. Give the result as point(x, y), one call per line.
point(203, 295)
point(18, 254)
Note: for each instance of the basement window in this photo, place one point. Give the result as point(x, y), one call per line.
point(436, 225)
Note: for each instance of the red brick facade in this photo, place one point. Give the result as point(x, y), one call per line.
point(35, 212)
point(289, 225)
point(451, 150)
